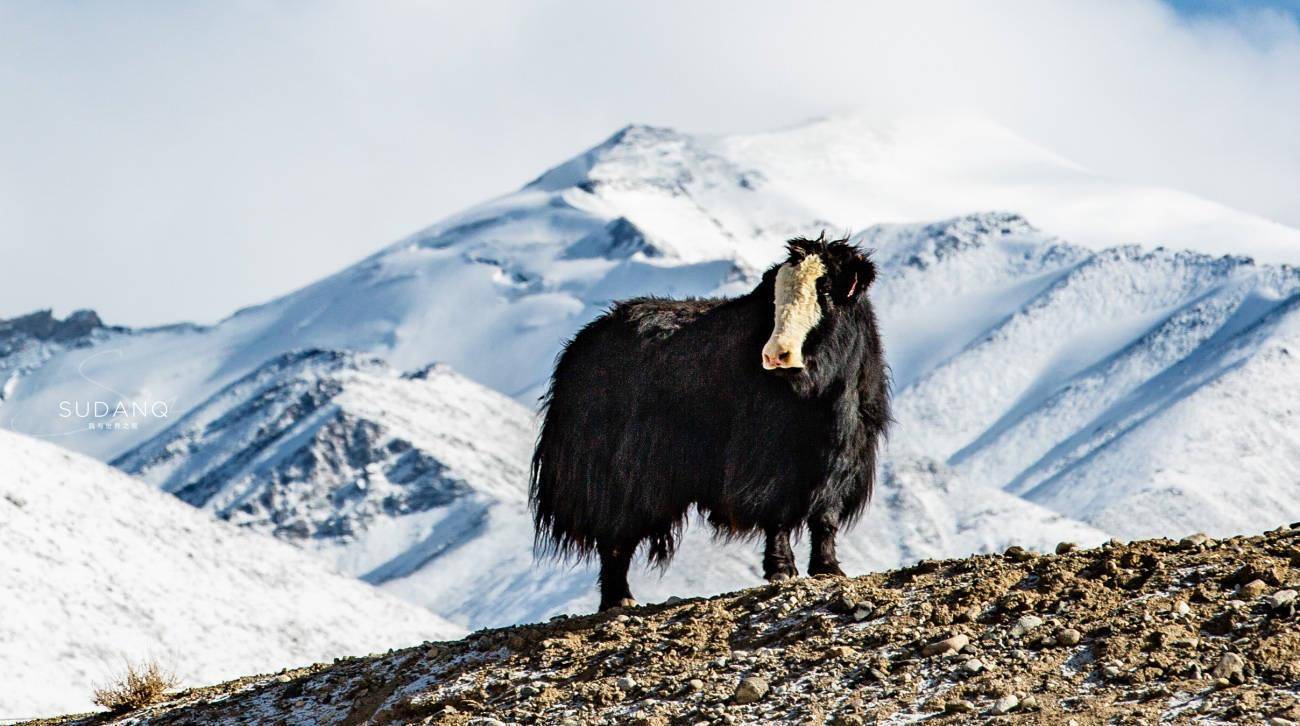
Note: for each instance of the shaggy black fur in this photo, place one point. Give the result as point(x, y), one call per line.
point(659, 405)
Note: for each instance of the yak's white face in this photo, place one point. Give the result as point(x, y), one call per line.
point(797, 312)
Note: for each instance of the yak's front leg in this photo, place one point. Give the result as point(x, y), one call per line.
point(778, 557)
point(822, 560)
point(614, 590)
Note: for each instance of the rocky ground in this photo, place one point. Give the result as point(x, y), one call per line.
point(1192, 631)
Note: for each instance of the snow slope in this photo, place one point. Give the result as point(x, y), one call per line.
point(858, 171)
point(336, 452)
point(1141, 391)
point(99, 568)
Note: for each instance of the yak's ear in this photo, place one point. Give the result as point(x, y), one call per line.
point(799, 248)
point(856, 277)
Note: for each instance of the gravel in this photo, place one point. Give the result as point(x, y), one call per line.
point(1143, 632)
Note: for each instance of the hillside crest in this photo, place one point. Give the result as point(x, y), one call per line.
point(1192, 630)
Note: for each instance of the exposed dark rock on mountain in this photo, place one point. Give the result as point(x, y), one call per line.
point(42, 325)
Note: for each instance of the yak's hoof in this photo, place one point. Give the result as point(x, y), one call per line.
point(832, 570)
point(776, 577)
point(626, 602)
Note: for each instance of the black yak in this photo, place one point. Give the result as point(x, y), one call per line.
point(763, 411)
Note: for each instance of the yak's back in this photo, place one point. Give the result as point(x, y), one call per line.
point(617, 349)
point(611, 351)
point(656, 318)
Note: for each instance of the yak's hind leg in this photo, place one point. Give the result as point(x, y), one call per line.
point(778, 557)
point(823, 528)
point(614, 590)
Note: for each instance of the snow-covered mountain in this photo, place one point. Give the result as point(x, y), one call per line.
point(491, 291)
point(99, 569)
point(1138, 390)
point(1041, 381)
point(334, 451)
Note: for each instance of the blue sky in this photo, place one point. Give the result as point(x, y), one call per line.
point(164, 161)
point(1230, 7)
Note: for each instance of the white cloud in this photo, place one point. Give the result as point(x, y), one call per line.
point(178, 161)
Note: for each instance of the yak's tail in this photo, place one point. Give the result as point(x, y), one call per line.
point(584, 492)
point(549, 484)
point(578, 503)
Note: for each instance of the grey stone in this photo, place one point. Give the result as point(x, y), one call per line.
point(1016, 553)
point(1252, 589)
point(1006, 704)
point(1280, 598)
point(1069, 637)
point(751, 689)
point(951, 644)
point(842, 603)
point(1025, 624)
point(958, 706)
point(1231, 667)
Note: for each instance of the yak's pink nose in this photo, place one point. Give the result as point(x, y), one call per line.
point(776, 359)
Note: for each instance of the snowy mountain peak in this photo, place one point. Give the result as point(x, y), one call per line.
point(647, 156)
